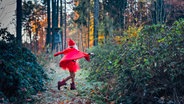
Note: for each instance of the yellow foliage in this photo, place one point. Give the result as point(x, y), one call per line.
point(101, 38)
point(91, 30)
point(118, 39)
point(133, 31)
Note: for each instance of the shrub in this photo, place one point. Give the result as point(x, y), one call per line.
point(144, 69)
point(21, 75)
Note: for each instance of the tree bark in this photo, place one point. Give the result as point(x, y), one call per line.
point(19, 23)
point(48, 22)
point(61, 23)
point(65, 27)
point(96, 15)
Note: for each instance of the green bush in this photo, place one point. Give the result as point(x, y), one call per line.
point(144, 69)
point(21, 75)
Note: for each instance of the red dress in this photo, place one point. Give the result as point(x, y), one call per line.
point(69, 60)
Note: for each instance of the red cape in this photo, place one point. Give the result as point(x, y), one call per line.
point(69, 59)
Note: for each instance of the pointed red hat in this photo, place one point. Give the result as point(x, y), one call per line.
point(71, 42)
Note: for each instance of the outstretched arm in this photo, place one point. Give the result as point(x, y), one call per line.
point(58, 53)
point(63, 52)
point(87, 56)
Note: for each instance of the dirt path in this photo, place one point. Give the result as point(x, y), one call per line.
point(65, 96)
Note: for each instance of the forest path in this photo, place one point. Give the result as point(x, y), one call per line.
point(65, 96)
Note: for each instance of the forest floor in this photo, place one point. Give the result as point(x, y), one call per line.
point(65, 96)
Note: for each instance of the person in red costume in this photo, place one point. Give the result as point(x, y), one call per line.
point(69, 62)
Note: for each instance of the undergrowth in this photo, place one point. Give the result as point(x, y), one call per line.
point(21, 75)
point(147, 68)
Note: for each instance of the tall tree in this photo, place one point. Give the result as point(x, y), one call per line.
point(83, 17)
point(57, 12)
point(65, 25)
point(27, 17)
point(19, 22)
point(48, 21)
point(158, 12)
point(61, 23)
point(115, 10)
point(54, 23)
point(96, 16)
point(34, 22)
point(88, 23)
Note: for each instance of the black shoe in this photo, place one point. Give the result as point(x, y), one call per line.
point(61, 83)
point(72, 86)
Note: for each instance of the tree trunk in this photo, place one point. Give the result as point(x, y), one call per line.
point(48, 22)
point(61, 23)
point(88, 29)
point(54, 23)
point(105, 23)
point(57, 12)
point(19, 23)
point(96, 15)
point(36, 36)
point(65, 27)
point(158, 14)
